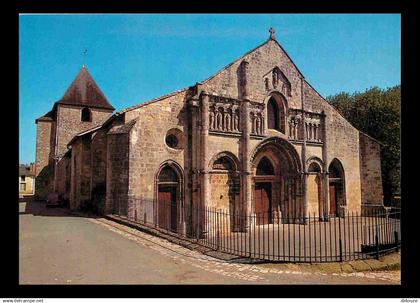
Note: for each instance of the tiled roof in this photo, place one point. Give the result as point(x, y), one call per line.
point(122, 129)
point(85, 132)
point(47, 117)
point(84, 91)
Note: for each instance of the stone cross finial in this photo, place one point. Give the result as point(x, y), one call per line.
point(272, 32)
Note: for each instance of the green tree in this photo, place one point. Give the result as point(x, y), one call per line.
point(377, 112)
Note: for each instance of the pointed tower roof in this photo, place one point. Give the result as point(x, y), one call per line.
point(84, 91)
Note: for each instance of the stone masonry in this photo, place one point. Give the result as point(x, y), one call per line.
point(254, 137)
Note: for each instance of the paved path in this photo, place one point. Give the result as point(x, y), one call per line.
point(56, 248)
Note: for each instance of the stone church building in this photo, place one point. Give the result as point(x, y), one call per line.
point(255, 137)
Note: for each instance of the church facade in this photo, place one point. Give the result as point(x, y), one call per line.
point(255, 137)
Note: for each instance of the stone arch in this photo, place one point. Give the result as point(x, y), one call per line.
point(337, 189)
point(224, 180)
point(232, 158)
point(314, 186)
point(276, 111)
point(279, 194)
point(286, 149)
point(314, 161)
point(265, 167)
point(169, 193)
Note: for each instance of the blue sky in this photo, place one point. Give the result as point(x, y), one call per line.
point(134, 58)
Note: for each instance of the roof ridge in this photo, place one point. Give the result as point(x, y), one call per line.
point(144, 103)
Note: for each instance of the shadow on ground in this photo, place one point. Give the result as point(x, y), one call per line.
point(39, 208)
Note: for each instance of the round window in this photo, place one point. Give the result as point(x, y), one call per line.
point(171, 140)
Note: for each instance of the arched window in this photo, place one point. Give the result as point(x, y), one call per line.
point(265, 168)
point(276, 113)
point(337, 191)
point(273, 114)
point(86, 115)
point(335, 169)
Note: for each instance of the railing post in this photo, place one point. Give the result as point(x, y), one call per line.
point(341, 250)
point(217, 230)
point(339, 239)
point(198, 224)
point(396, 241)
point(249, 232)
point(377, 246)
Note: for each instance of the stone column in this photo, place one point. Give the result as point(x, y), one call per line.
point(244, 89)
point(326, 182)
point(204, 152)
point(246, 164)
point(304, 169)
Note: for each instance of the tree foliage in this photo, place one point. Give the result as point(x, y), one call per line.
point(377, 112)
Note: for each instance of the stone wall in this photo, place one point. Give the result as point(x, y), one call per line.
point(262, 61)
point(70, 124)
point(117, 174)
point(224, 191)
point(148, 149)
point(370, 171)
point(313, 194)
point(63, 175)
point(342, 143)
point(342, 138)
point(43, 167)
point(98, 161)
point(80, 173)
point(134, 157)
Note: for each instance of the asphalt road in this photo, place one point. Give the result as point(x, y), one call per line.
point(58, 248)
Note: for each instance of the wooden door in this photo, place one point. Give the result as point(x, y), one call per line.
point(333, 200)
point(262, 199)
point(167, 207)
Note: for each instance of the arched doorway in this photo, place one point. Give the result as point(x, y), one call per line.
point(169, 194)
point(337, 191)
point(263, 192)
point(277, 186)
